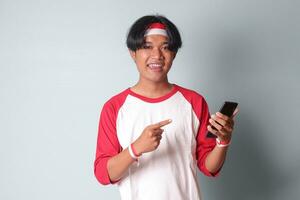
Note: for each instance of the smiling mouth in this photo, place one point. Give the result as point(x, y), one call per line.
point(155, 66)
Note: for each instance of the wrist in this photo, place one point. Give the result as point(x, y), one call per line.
point(136, 149)
point(131, 153)
point(222, 143)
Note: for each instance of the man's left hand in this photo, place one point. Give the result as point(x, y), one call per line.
point(224, 125)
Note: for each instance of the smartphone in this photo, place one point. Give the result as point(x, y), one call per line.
point(227, 109)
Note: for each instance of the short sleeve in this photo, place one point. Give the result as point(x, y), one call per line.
point(107, 143)
point(204, 144)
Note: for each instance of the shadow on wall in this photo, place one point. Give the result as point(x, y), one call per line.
point(249, 172)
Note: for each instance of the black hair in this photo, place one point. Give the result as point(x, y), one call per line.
point(135, 38)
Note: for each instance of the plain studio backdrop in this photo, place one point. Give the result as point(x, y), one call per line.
point(61, 60)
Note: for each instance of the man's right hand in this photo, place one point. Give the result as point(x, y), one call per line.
point(150, 138)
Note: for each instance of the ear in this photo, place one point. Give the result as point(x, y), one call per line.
point(132, 54)
point(174, 55)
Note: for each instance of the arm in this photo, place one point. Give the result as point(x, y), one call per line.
point(148, 141)
point(108, 144)
point(119, 164)
point(111, 162)
point(210, 156)
point(215, 159)
point(224, 126)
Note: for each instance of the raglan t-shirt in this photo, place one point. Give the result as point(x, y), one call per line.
point(170, 171)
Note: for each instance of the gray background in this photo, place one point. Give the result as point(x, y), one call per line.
point(61, 60)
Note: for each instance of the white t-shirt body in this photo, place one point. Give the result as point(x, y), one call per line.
point(170, 171)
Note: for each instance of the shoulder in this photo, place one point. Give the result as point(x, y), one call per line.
point(115, 102)
point(196, 100)
point(191, 95)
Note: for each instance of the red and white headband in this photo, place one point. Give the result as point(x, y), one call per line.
point(156, 29)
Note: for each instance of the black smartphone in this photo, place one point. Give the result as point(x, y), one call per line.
point(227, 109)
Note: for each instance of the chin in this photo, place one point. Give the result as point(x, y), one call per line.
point(157, 79)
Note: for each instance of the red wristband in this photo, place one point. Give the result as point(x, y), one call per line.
point(222, 143)
point(134, 151)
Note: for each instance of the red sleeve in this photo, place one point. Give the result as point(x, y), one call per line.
point(107, 143)
point(204, 144)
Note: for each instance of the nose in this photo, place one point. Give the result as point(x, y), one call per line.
point(156, 53)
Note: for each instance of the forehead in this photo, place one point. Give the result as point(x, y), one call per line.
point(156, 39)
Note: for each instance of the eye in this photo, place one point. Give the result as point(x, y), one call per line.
point(166, 47)
point(146, 46)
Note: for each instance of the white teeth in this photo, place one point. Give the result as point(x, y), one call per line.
point(155, 65)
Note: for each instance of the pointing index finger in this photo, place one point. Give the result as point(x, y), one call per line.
point(162, 123)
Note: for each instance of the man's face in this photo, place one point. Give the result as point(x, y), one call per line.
point(154, 59)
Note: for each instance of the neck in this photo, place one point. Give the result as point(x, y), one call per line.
point(152, 90)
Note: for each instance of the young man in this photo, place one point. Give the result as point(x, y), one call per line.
point(152, 136)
